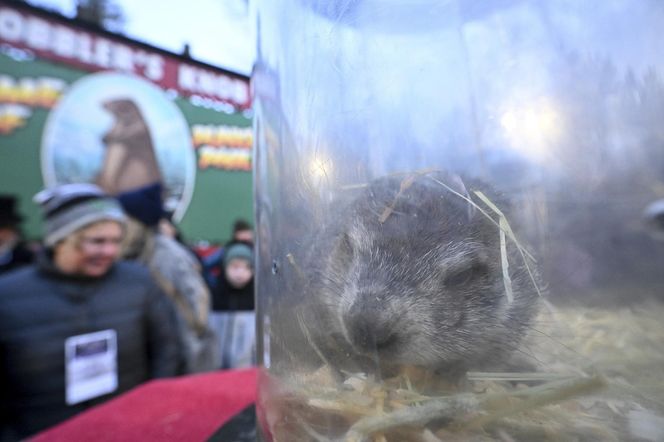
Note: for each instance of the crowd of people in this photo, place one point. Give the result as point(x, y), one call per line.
point(109, 299)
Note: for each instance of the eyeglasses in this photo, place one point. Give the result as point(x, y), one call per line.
point(97, 242)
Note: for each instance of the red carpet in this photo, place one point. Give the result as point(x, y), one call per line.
point(189, 408)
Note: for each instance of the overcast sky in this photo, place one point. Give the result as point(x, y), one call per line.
point(218, 31)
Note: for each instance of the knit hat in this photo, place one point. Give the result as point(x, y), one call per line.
point(238, 251)
point(144, 204)
point(70, 207)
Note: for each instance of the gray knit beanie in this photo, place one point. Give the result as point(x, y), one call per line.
point(238, 251)
point(70, 207)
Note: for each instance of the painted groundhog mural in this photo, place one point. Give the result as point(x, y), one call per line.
point(120, 132)
point(129, 160)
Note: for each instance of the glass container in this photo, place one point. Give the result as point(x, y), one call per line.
point(459, 212)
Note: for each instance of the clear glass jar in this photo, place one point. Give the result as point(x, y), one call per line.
point(459, 220)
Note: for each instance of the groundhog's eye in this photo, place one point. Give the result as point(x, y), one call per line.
point(466, 275)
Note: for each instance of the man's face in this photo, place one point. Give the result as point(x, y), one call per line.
point(244, 235)
point(90, 251)
point(8, 236)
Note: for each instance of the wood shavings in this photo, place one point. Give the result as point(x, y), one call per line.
point(502, 406)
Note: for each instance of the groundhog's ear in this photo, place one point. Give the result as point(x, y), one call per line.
point(343, 251)
point(345, 245)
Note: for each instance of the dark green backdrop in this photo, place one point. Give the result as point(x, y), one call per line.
point(219, 197)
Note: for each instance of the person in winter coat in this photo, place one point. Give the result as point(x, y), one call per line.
point(176, 271)
point(78, 327)
point(233, 316)
point(13, 251)
point(213, 263)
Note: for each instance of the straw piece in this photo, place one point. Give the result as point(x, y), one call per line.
point(507, 281)
point(291, 261)
point(505, 227)
point(568, 390)
point(405, 184)
point(516, 376)
point(444, 407)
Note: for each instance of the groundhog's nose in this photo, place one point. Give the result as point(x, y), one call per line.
point(367, 328)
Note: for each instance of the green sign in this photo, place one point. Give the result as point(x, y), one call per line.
point(60, 123)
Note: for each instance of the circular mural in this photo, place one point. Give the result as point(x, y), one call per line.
point(120, 132)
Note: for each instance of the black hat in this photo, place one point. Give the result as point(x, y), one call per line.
point(144, 204)
point(9, 217)
point(241, 224)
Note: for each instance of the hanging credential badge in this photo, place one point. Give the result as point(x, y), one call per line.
point(91, 365)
